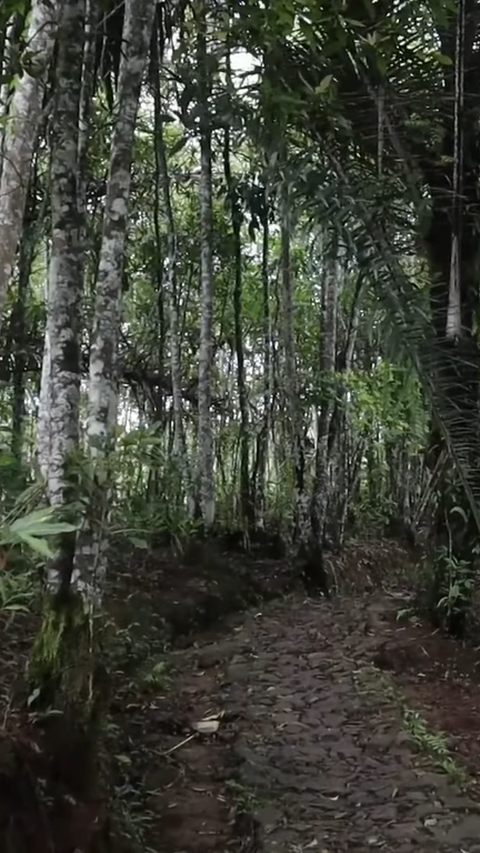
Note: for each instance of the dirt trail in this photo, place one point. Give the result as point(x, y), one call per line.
point(304, 758)
point(315, 750)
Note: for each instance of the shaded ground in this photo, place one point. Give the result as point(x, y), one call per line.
point(302, 743)
point(313, 760)
point(154, 599)
point(438, 674)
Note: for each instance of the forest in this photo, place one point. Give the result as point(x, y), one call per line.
point(240, 425)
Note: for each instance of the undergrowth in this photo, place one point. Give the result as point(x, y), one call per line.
point(140, 669)
point(20, 591)
point(379, 687)
point(444, 587)
point(245, 800)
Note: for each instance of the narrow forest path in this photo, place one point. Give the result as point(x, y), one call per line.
point(312, 750)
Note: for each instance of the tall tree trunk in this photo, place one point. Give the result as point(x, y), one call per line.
point(261, 465)
point(61, 662)
point(21, 132)
point(159, 266)
point(179, 447)
point(327, 369)
point(301, 531)
point(65, 285)
point(246, 508)
point(205, 356)
point(90, 566)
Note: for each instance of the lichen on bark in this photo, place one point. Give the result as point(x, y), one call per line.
point(90, 562)
point(20, 133)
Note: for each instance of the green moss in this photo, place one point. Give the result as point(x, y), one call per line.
point(65, 669)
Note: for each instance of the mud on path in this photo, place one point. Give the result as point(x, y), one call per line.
point(305, 757)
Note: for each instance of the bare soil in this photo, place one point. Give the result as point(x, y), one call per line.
point(293, 752)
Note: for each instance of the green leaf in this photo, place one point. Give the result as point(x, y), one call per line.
point(460, 511)
point(178, 146)
point(39, 524)
point(442, 58)
point(382, 65)
point(324, 84)
point(6, 461)
point(139, 543)
point(40, 546)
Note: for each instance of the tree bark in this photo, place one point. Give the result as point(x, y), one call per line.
point(62, 371)
point(90, 565)
point(246, 508)
point(10, 50)
point(19, 320)
point(301, 531)
point(21, 132)
point(179, 448)
point(86, 100)
point(324, 416)
point(262, 461)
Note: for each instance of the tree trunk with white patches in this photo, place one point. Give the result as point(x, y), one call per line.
point(21, 133)
point(263, 442)
point(65, 285)
point(90, 565)
point(62, 661)
point(43, 430)
point(205, 356)
point(10, 49)
point(19, 325)
point(246, 503)
point(43, 426)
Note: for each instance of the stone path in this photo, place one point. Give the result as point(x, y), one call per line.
point(320, 764)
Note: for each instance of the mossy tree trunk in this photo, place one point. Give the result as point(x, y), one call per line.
point(63, 664)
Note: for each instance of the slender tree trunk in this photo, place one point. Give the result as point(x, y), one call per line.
point(65, 285)
point(327, 369)
point(302, 520)
point(19, 320)
point(179, 448)
point(10, 41)
point(103, 393)
point(205, 356)
point(20, 134)
point(62, 660)
point(246, 508)
point(4, 88)
point(264, 437)
point(338, 437)
point(158, 260)
point(86, 100)
point(43, 429)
